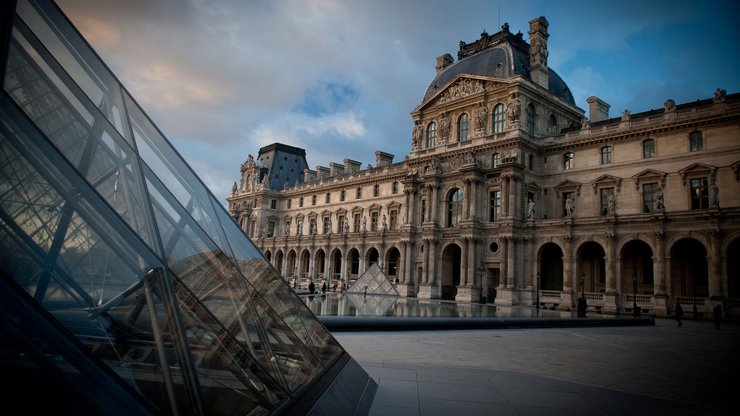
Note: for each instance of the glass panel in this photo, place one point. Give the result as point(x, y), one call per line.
point(78, 59)
point(85, 138)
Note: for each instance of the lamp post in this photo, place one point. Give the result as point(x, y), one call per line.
point(482, 298)
point(537, 306)
point(635, 311)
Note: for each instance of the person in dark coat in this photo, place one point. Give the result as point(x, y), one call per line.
point(679, 314)
point(311, 287)
point(717, 315)
point(582, 307)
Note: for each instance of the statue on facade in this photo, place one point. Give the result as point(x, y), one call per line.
point(416, 135)
point(612, 205)
point(625, 115)
point(714, 196)
point(328, 225)
point(480, 116)
point(287, 229)
point(345, 227)
point(514, 108)
point(530, 209)
point(233, 188)
point(669, 105)
point(659, 202)
point(299, 229)
point(385, 225)
point(568, 207)
point(444, 127)
point(719, 95)
point(364, 224)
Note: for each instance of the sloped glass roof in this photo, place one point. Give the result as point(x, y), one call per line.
point(109, 238)
point(374, 282)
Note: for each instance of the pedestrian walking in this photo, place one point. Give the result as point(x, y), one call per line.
point(679, 314)
point(717, 315)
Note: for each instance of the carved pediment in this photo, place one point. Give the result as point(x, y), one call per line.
point(460, 88)
point(568, 186)
point(649, 175)
point(606, 180)
point(698, 169)
point(325, 213)
point(374, 207)
point(341, 211)
point(394, 205)
point(357, 210)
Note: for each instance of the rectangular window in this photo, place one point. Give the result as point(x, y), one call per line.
point(605, 195)
point(531, 162)
point(606, 155)
point(394, 219)
point(358, 193)
point(290, 202)
point(696, 141)
point(568, 161)
point(356, 225)
point(699, 193)
point(374, 221)
point(340, 224)
point(328, 197)
point(648, 149)
point(423, 213)
point(341, 195)
point(273, 204)
point(649, 197)
point(300, 202)
point(494, 209)
point(327, 225)
point(495, 160)
point(312, 226)
point(271, 229)
point(313, 199)
point(395, 188)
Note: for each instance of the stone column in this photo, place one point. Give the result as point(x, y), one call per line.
point(434, 203)
point(510, 258)
point(432, 278)
point(503, 267)
point(466, 199)
point(473, 198)
point(425, 261)
point(506, 197)
point(610, 277)
point(298, 266)
point(471, 262)
point(660, 287)
point(407, 219)
point(568, 278)
point(715, 266)
point(327, 263)
point(464, 262)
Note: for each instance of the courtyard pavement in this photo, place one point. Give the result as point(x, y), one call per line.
point(643, 370)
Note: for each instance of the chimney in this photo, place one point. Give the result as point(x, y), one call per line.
point(444, 61)
point(597, 109)
point(538, 51)
point(382, 159)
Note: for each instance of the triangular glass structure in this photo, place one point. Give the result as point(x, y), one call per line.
point(125, 287)
point(373, 282)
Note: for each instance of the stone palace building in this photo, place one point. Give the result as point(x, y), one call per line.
point(511, 195)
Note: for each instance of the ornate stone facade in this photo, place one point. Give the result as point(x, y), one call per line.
point(536, 205)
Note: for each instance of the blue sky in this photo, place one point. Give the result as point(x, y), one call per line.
point(340, 78)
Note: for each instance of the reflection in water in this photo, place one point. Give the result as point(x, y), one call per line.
point(352, 304)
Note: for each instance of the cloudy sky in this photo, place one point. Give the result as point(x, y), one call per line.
point(340, 77)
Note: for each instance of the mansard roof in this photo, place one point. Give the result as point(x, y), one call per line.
point(501, 55)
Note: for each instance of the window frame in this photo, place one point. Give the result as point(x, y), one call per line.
point(696, 141)
point(606, 155)
point(494, 204)
point(568, 160)
point(463, 127)
point(495, 160)
point(648, 152)
point(455, 201)
point(499, 118)
point(431, 135)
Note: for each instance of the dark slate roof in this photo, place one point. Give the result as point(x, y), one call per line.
point(284, 164)
point(501, 55)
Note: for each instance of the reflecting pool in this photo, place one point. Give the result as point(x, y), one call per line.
point(352, 304)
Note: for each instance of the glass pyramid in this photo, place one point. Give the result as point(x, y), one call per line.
point(125, 287)
point(373, 282)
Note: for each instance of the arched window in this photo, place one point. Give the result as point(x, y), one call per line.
point(462, 127)
point(568, 161)
point(499, 118)
point(495, 160)
point(454, 207)
point(530, 118)
point(606, 155)
point(431, 135)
